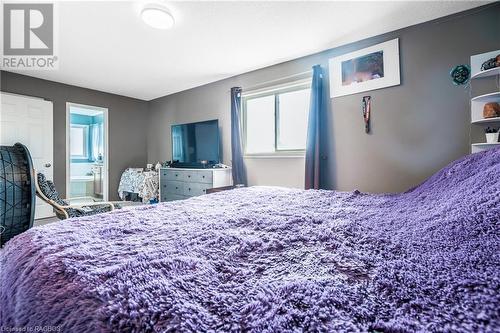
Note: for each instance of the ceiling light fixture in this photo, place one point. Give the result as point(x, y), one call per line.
point(157, 16)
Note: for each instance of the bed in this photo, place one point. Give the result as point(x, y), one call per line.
point(265, 259)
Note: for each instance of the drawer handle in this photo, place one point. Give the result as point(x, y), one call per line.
point(204, 190)
point(176, 175)
point(203, 177)
point(189, 189)
point(189, 176)
point(176, 188)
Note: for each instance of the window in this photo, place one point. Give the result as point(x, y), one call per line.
point(79, 141)
point(276, 121)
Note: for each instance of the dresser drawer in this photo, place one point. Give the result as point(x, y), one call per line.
point(172, 174)
point(173, 187)
point(198, 176)
point(195, 189)
point(163, 173)
point(202, 176)
point(171, 197)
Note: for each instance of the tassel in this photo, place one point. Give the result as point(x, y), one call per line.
point(366, 112)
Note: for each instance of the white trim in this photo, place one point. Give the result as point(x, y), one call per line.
point(105, 196)
point(296, 85)
point(281, 80)
point(26, 96)
point(268, 90)
point(275, 155)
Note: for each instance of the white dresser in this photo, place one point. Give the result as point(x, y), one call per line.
point(177, 184)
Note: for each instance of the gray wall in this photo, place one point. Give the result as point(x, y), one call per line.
point(127, 124)
point(418, 126)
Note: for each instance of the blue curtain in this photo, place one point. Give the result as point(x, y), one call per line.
point(238, 167)
point(313, 130)
point(97, 141)
point(94, 142)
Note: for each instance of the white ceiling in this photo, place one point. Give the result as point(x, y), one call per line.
point(106, 46)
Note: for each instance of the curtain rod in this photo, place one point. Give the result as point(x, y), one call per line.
point(265, 83)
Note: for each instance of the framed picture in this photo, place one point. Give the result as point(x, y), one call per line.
point(371, 68)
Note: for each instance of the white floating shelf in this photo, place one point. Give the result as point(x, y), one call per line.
point(486, 73)
point(486, 121)
point(477, 103)
point(486, 98)
point(477, 106)
point(476, 61)
point(484, 144)
point(477, 147)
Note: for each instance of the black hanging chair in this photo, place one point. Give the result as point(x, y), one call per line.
point(17, 191)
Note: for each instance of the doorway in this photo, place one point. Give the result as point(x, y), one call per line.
point(86, 153)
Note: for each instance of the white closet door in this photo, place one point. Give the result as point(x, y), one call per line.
point(28, 120)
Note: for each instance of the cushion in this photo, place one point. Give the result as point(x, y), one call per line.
point(49, 190)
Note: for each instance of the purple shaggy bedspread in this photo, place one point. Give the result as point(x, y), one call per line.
point(266, 259)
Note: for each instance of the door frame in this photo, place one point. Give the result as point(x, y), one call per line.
point(105, 194)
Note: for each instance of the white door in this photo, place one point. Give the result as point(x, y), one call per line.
point(28, 120)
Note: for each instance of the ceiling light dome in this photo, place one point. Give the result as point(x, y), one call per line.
point(157, 16)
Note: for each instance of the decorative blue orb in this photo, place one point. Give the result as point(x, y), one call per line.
point(460, 74)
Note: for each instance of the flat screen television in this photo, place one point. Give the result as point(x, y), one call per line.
point(195, 145)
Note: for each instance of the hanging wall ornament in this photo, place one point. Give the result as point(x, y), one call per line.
point(367, 105)
point(460, 75)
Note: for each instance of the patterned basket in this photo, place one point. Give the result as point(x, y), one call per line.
point(17, 191)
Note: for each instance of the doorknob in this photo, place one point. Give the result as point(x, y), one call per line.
point(47, 165)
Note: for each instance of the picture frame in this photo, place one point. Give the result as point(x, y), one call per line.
point(371, 68)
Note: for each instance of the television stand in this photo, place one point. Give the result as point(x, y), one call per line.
point(182, 183)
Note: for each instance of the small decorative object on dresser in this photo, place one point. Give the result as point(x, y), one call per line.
point(491, 135)
point(491, 110)
point(183, 183)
